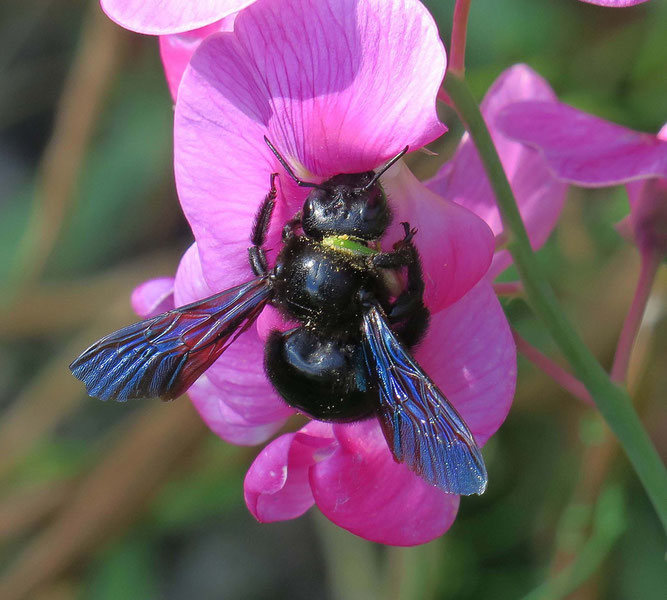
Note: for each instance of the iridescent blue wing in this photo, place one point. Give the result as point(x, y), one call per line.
point(422, 428)
point(164, 355)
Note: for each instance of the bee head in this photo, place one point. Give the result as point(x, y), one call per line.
point(351, 204)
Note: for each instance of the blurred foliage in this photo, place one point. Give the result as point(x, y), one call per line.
point(563, 514)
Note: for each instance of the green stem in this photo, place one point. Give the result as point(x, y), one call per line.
point(609, 523)
point(612, 401)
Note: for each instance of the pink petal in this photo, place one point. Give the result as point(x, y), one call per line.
point(539, 194)
point(160, 17)
point(470, 354)
point(153, 297)
point(238, 375)
point(456, 246)
point(210, 401)
point(615, 3)
point(271, 320)
point(345, 98)
point(177, 49)
point(277, 485)
point(357, 89)
point(362, 489)
point(584, 149)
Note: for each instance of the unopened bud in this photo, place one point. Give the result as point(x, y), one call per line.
point(648, 216)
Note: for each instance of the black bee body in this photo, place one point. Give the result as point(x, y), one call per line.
point(325, 279)
point(319, 285)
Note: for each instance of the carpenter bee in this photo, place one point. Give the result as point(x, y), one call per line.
point(348, 359)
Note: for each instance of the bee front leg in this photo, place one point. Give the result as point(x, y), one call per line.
point(404, 253)
point(260, 229)
point(407, 313)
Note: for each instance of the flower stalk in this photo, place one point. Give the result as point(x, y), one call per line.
point(512, 289)
point(613, 401)
point(459, 31)
point(649, 268)
point(552, 369)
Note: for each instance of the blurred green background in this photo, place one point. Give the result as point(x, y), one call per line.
point(104, 501)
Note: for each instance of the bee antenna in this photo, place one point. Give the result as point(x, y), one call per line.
point(385, 168)
point(287, 168)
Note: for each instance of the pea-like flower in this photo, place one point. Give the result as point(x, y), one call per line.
point(342, 86)
point(588, 151)
point(539, 195)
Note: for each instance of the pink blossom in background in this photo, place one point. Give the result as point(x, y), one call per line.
point(588, 151)
point(162, 17)
point(538, 193)
point(346, 98)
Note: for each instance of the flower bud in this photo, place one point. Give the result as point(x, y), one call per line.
point(648, 216)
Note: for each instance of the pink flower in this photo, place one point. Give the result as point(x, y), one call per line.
point(591, 152)
point(539, 194)
point(344, 98)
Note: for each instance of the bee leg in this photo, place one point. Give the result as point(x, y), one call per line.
point(260, 229)
point(411, 329)
point(403, 254)
point(412, 297)
point(407, 314)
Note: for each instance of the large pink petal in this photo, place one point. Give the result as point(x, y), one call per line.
point(362, 489)
point(584, 149)
point(615, 3)
point(277, 485)
point(153, 297)
point(177, 49)
point(222, 165)
point(357, 89)
point(344, 98)
point(238, 375)
point(455, 245)
point(470, 354)
point(160, 17)
point(539, 194)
